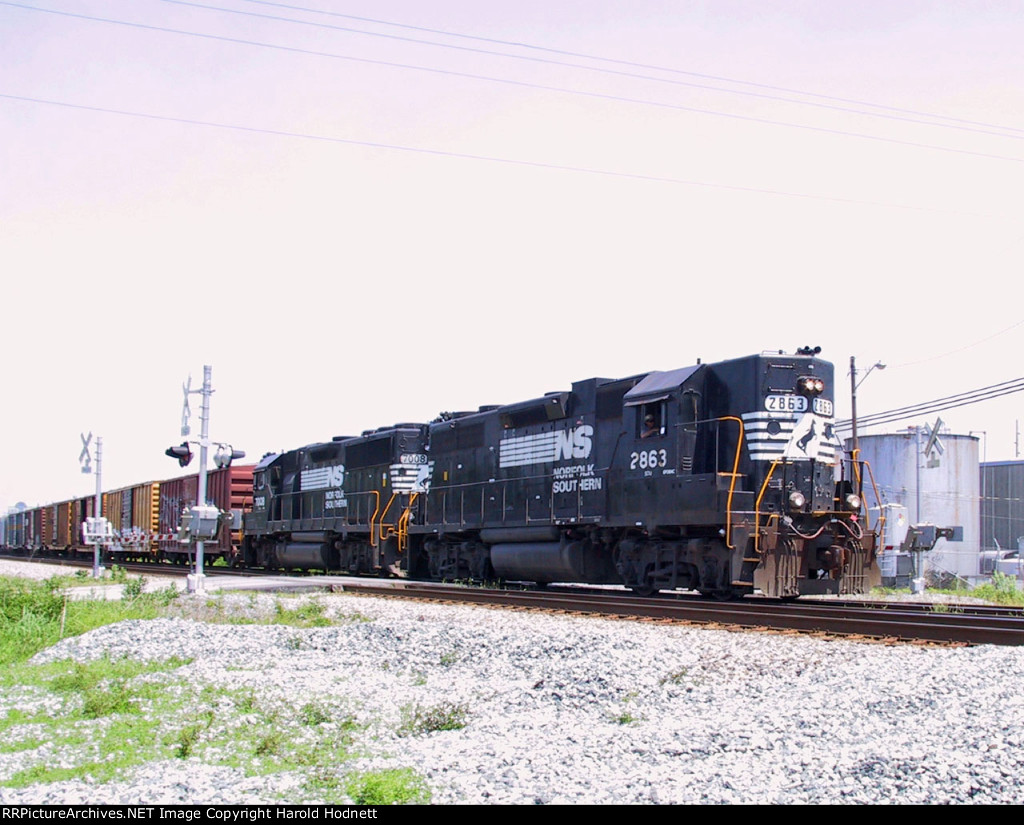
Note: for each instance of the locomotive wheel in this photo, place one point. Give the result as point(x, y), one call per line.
point(648, 587)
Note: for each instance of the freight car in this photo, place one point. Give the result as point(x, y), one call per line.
point(723, 478)
point(144, 518)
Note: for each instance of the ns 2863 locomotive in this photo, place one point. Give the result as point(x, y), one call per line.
point(723, 477)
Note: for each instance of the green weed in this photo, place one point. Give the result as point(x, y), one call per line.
point(417, 719)
point(133, 588)
point(307, 614)
point(395, 786)
point(314, 713)
point(1003, 590)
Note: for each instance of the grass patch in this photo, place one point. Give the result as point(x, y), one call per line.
point(35, 615)
point(100, 720)
point(1003, 590)
point(104, 689)
point(149, 714)
point(306, 614)
point(314, 713)
point(396, 786)
point(627, 716)
point(417, 719)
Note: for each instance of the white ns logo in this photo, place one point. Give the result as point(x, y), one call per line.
point(575, 443)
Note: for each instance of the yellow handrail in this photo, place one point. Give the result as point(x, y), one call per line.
point(380, 524)
point(403, 524)
point(373, 518)
point(757, 503)
point(732, 482)
point(878, 498)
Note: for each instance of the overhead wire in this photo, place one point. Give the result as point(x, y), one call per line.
point(630, 75)
point(938, 405)
point(958, 349)
point(631, 63)
point(519, 83)
point(488, 158)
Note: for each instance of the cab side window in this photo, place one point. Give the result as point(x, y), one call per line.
point(651, 420)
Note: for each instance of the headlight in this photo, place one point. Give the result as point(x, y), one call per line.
point(853, 502)
point(797, 500)
point(809, 385)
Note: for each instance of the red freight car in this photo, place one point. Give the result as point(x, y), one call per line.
point(229, 489)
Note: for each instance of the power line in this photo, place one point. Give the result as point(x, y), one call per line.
point(630, 75)
point(487, 158)
point(634, 64)
point(518, 83)
point(960, 349)
point(938, 405)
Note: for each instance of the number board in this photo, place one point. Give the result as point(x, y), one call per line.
point(785, 403)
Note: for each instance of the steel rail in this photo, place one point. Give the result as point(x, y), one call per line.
point(887, 621)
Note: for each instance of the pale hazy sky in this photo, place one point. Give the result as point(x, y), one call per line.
point(361, 213)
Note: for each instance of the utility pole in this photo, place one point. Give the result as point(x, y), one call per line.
point(854, 383)
point(853, 405)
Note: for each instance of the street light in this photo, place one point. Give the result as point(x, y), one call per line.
point(854, 383)
point(878, 365)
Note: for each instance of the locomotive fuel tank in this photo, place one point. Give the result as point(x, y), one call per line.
point(550, 561)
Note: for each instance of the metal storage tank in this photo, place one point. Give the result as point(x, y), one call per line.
point(940, 487)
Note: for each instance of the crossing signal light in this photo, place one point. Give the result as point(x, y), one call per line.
point(225, 455)
point(183, 453)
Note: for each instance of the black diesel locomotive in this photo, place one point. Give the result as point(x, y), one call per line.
point(723, 478)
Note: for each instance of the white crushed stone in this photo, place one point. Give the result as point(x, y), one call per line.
point(594, 711)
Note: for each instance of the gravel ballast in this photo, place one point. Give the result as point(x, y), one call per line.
point(572, 710)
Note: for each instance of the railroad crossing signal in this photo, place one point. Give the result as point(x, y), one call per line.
point(934, 443)
point(183, 453)
point(225, 455)
point(186, 412)
point(83, 457)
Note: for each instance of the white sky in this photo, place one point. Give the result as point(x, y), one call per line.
point(393, 228)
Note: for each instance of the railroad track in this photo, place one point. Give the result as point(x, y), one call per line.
point(887, 621)
point(890, 621)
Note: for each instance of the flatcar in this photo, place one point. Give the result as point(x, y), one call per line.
point(724, 478)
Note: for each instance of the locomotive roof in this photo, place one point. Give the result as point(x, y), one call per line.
point(659, 384)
